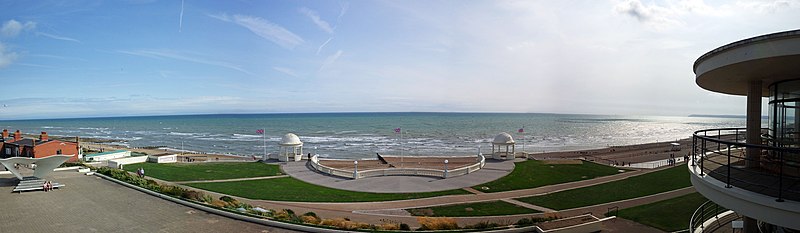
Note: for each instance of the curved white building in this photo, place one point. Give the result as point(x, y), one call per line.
point(291, 148)
point(752, 171)
point(499, 143)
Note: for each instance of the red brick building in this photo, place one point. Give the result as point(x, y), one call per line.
point(17, 146)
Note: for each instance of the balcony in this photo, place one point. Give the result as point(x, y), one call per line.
point(765, 187)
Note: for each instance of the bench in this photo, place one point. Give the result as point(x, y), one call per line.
point(33, 184)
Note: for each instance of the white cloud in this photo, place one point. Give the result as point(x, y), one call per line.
point(6, 58)
point(330, 60)
point(161, 54)
point(768, 6)
point(322, 24)
point(657, 17)
point(12, 28)
point(323, 45)
point(285, 70)
point(265, 29)
point(58, 37)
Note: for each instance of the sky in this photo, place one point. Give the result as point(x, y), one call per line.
point(61, 59)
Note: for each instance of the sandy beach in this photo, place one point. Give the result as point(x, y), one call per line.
point(625, 154)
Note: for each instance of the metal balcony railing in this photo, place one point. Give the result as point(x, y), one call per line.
point(773, 171)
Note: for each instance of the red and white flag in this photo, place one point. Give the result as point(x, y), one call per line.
point(397, 130)
point(260, 131)
point(521, 130)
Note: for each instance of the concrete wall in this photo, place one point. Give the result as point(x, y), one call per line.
point(109, 156)
point(118, 163)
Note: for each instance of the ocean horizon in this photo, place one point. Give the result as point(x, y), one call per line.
point(362, 134)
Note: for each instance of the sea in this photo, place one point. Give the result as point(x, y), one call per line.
point(362, 135)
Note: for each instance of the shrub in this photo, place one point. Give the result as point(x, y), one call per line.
point(432, 223)
point(524, 222)
point(207, 198)
point(482, 225)
point(173, 190)
point(389, 227)
point(218, 203)
point(226, 199)
point(310, 214)
point(309, 219)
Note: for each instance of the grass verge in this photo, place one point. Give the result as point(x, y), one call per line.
point(667, 215)
point(291, 189)
point(205, 171)
point(534, 173)
point(632, 187)
point(491, 208)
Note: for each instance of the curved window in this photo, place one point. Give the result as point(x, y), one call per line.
point(784, 114)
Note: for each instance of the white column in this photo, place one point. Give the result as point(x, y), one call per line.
point(754, 93)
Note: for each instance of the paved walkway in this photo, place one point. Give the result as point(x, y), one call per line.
point(399, 184)
point(393, 210)
point(92, 204)
point(226, 180)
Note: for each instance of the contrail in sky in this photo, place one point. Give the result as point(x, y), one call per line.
point(180, 22)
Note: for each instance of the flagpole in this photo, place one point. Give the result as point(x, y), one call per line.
point(523, 140)
point(401, 148)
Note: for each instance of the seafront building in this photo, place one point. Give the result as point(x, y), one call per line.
point(44, 146)
point(751, 175)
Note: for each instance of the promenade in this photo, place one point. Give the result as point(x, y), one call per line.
point(399, 184)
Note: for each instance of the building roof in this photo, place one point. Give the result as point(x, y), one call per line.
point(104, 153)
point(768, 58)
point(25, 142)
point(503, 138)
point(290, 139)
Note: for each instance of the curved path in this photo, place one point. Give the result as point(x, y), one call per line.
point(400, 184)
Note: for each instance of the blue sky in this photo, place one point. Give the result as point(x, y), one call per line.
point(140, 57)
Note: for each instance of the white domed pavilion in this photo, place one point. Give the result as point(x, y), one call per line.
point(503, 146)
point(291, 148)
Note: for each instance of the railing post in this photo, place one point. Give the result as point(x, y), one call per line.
point(728, 177)
point(702, 156)
point(694, 150)
point(780, 178)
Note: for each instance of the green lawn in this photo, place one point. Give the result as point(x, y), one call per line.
point(637, 186)
point(291, 189)
point(668, 215)
point(534, 173)
point(491, 208)
point(204, 171)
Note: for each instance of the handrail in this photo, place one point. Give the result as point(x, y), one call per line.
point(721, 153)
point(398, 171)
point(701, 220)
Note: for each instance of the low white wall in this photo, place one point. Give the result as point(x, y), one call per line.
point(173, 158)
point(398, 171)
point(118, 163)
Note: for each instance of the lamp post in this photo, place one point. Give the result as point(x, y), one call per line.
point(355, 169)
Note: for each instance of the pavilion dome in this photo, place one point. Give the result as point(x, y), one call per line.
point(503, 138)
point(290, 139)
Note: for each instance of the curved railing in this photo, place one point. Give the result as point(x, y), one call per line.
point(398, 171)
point(722, 154)
point(710, 217)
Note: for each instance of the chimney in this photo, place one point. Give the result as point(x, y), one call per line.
point(5, 133)
point(43, 136)
point(17, 135)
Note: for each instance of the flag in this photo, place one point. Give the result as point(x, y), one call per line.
point(260, 131)
point(397, 130)
point(521, 130)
